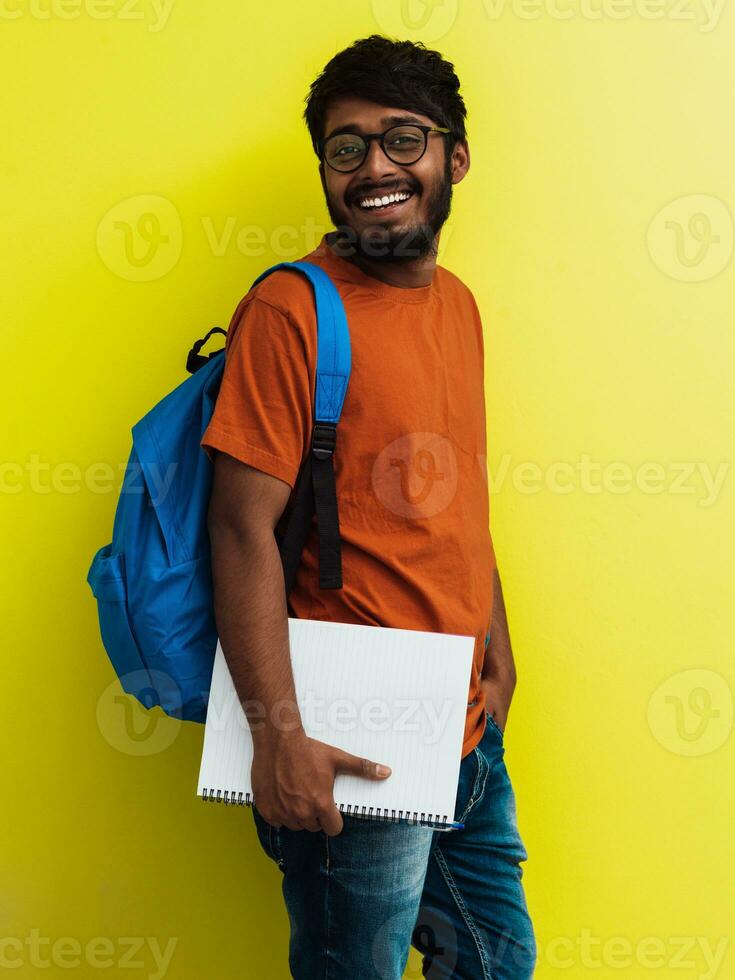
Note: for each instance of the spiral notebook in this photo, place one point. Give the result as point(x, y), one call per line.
point(394, 696)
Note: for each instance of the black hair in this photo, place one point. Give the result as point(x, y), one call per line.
point(389, 72)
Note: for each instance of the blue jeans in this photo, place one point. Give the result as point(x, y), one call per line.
point(357, 901)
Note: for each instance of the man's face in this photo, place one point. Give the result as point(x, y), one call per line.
point(400, 232)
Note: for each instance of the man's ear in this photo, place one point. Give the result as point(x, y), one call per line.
point(460, 160)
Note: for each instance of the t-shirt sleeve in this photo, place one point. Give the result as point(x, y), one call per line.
point(263, 412)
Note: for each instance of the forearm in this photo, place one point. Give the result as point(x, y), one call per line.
point(252, 624)
point(499, 661)
point(292, 775)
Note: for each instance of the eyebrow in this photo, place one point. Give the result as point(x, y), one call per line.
point(386, 121)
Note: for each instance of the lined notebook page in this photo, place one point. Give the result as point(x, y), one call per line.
point(394, 696)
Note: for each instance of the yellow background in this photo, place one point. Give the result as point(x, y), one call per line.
point(609, 333)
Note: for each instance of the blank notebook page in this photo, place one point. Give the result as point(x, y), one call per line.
point(394, 696)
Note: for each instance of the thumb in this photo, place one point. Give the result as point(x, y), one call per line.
point(356, 766)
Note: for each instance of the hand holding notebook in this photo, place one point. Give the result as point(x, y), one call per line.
point(293, 779)
point(395, 696)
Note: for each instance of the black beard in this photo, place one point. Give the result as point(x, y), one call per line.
point(381, 243)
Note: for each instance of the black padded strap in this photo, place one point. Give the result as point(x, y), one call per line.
point(327, 518)
point(315, 492)
point(298, 522)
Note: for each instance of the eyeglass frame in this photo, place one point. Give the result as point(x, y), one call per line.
point(367, 138)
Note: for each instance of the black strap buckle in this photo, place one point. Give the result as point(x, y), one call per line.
point(194, 359)
point(323, 439)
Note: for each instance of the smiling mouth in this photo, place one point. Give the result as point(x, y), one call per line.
point(387, 204)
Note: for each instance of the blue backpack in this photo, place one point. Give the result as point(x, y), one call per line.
point(153, 582)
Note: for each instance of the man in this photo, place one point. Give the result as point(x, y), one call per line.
point(387, 123)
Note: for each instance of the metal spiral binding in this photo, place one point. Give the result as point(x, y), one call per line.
point(227, 797)
point(394, 816)
point(375, 813)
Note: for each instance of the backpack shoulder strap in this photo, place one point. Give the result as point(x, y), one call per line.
point(334, 361)
point(316, 487)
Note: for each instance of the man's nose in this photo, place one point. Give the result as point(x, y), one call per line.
point(376, 164)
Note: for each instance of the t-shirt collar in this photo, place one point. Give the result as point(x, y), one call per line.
point(342, 268)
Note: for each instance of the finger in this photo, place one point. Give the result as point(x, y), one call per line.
point(271, 822)
point(331, 820)
point(357, 766)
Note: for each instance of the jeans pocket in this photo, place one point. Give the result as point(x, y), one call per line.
point(492, 723)
point(474, 782)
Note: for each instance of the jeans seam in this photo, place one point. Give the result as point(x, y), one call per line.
point(327, 876)
point(479, 787)
point(464, 912)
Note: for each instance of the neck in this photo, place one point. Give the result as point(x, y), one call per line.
point(406, 275)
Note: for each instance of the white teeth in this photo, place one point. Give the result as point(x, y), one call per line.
point(376, 202)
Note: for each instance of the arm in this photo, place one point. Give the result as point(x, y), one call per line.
point(292, 774)
point(498, 678)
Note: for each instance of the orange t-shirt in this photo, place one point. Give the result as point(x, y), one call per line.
point(410, 458)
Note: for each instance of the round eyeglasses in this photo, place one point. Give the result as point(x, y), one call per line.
point(404, 145)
